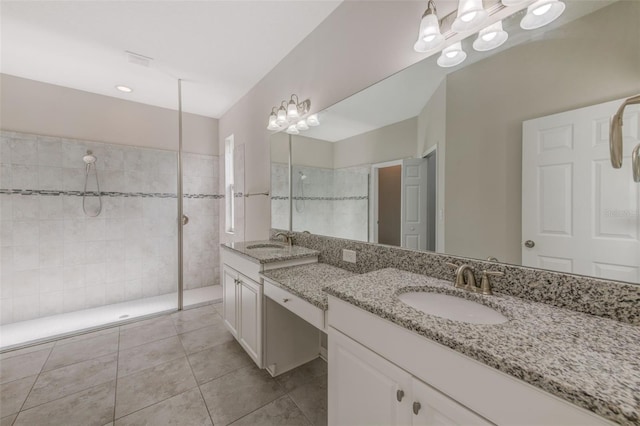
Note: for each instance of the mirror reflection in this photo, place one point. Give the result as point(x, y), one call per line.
point(504, 157)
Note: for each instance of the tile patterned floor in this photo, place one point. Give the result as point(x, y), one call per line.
point(178, 369)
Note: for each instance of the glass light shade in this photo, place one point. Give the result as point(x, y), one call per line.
point(312, 120)
point(452, 56)
point(541, 13)
point(281, 119)
point(429, 37)
point(272, 122)
point(471, 14)
point(292, 130)
point(292, 110)
point(302, 125)
point(490, 37)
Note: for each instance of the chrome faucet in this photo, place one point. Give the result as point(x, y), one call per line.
point(287, 237)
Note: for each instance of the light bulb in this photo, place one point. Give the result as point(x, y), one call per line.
point(292, 110)
point(282, 116)
point(452, 56)
point(292, 130)
point(302, 125)
point(471, 14)
point(542, 13)
point(272, 122)
point(313, 120)
point(490, 37)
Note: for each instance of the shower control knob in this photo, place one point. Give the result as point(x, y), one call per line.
point(529, 244)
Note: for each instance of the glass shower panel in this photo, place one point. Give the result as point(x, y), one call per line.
point(76, 257)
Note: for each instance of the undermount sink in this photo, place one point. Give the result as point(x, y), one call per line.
point(265, 246)
point(452, 307)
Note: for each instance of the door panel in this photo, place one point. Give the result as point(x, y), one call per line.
point(229, 300)
point(414, 203)
point(250, 333)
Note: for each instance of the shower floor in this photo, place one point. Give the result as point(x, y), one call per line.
point(41, 328)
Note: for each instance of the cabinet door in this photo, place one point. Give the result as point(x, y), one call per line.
point(229, 299)
point(364, 388)
point(250, 324)
point(437, 409)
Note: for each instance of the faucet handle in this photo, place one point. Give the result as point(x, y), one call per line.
point(453, 265)
point(485, 286)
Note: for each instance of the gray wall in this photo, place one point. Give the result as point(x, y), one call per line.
point(30, 106)
point(548, 76)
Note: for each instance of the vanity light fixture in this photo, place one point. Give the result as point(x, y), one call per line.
point(471, 14)
point(125, 89)
point(291, 116)
point(490, 37)
point(541, 13)
point(429, 35)
point(452, 56)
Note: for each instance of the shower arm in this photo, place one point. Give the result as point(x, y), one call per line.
point(615, 132)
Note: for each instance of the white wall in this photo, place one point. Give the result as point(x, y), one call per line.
point(30, 106)
point(340, 57)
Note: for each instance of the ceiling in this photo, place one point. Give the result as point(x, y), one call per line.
point(220, 49)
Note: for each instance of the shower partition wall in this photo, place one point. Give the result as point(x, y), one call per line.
point(58, 261)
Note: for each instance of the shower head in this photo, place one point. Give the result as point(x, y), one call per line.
point(302, 176)
point(89, 158)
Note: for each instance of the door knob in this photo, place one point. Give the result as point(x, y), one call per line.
point(529, 244)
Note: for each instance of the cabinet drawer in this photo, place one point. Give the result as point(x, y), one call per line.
point(300, 307)
point(241, 263)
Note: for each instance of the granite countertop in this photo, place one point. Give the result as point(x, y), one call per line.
point(590, 361)
point(307, 281)
point(261, 253)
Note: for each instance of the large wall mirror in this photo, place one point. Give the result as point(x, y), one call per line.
point(504, 157)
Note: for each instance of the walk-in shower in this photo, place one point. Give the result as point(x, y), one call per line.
point(300, 201)
point(90, 166)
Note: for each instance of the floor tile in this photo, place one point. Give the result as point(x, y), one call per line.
point(303, 374)
point(152, 385)
point(26, 350)
point(281, 412)
point(93, 406)
point(149, 355)
point(8, 420)
point(203, 338)
point(218, 361)
point(239, 393)
point(13, 394)
point(311, 398)
point(194, 319)
point(21, 366)
point(64, 381)
point(188, 408)
point(219, 308)
point(82, 350)
point(156, 329)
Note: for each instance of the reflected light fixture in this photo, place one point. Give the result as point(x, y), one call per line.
point(541, 13)
point(452, 56)
point(471, 14)
point(490, 37)
point(291, 116)
point(125, 89)
point(429, 35)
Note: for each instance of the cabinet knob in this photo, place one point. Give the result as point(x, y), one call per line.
point(416, 408)
point(285, 300)
point(399, 395)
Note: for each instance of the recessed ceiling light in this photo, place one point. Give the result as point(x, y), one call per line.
point(124, 89)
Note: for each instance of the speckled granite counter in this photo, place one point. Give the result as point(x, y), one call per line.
point(262, 253)
point(590, 361)
point(307, 281)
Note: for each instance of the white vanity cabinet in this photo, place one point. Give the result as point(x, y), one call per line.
point(243, 311)
point(366, 389)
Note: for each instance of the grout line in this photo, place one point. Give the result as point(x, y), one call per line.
point(155, 403)
point(32, 386)
point(115, 392)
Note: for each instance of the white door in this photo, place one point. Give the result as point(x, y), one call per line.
point(414, 203)
point(430, 407)
point(364, 388)
point(250, 324)
point(581, 214)
point(229, 299)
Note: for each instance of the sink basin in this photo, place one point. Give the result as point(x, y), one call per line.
point(452, 307)
point(265, 246)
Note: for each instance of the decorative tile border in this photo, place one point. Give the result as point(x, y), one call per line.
point(605, 298)
point(106, 194)
point(353, 197)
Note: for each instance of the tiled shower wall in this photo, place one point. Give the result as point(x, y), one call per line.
point(55, 259)
point(332, 202)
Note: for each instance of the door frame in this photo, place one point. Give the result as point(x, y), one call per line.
point(440, 194)
point(373, 213)
point(428, 153)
